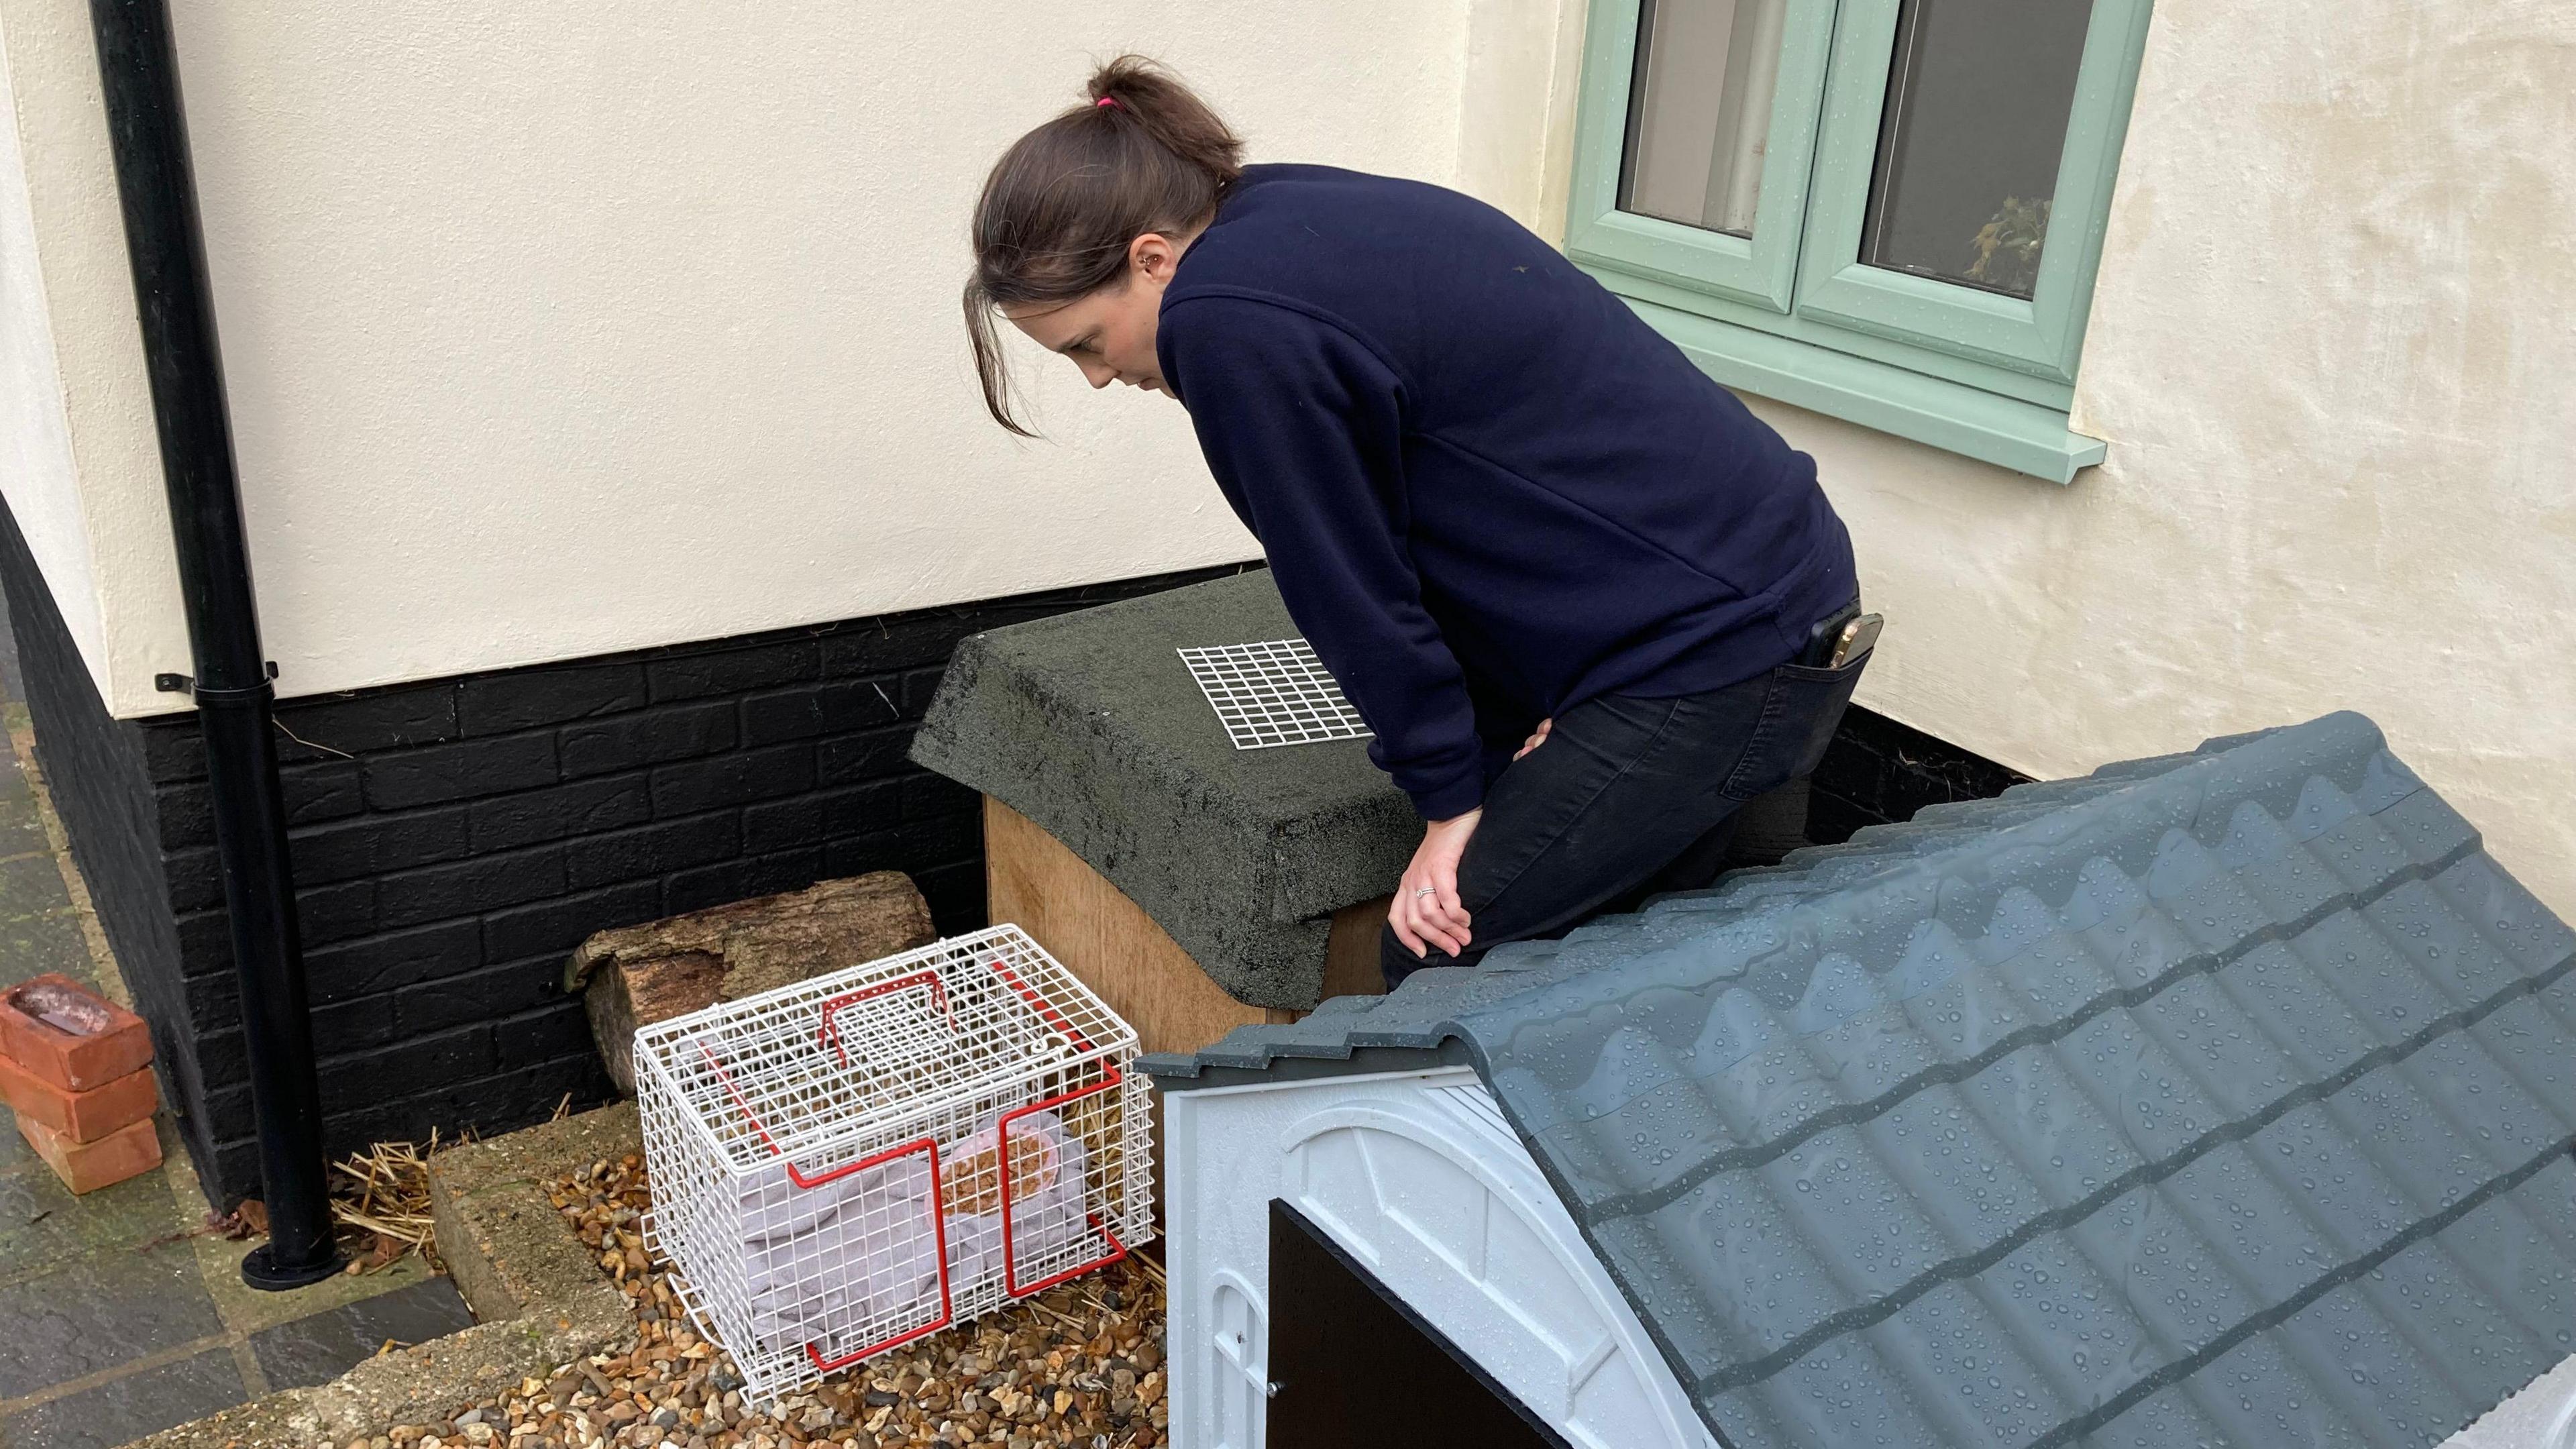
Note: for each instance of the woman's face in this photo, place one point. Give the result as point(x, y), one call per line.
point(1109, 333)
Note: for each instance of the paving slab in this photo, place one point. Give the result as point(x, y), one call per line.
point(542, 1300)
point(100, 1310)
point(15, 1153)
point(42, 1223)
point(22, 826)
point(119, 1316)
point(320, 1347)
point(500, 1235)
point(111, 1413)
point(33, 943)
point(14, 789)
point(31, 884)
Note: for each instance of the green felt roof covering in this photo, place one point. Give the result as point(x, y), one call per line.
point(1090, 725)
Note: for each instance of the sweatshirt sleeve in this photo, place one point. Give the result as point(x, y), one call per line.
point(1301, 424)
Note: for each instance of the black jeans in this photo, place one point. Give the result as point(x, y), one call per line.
point(1629, 797)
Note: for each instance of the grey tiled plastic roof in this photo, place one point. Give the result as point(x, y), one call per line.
point(2219, 1099)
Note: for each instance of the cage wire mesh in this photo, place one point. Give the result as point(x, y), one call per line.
point(847, 1164)
point(1273, 693)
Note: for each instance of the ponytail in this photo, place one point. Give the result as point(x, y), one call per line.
point(1143, 154)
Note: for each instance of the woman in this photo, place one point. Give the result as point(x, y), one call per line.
point(1562, 575)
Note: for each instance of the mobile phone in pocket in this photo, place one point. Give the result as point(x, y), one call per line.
point(1840, 638)
point(1856, 639)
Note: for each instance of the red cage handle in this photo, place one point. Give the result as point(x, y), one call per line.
point(938, 1218)
point(794, 1174)
point(830, 1034)
point(1043, 1006)
point(1002, 1164)
point(939, 1241)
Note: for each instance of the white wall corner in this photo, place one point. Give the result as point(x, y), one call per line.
point(2125, 235)
point(1523, 59)
point(35, 433)
point(95, 495)
point(1564, 91)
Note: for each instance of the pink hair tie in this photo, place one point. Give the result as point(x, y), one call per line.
point(1110, 101)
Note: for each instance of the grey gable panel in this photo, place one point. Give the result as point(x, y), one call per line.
point(2223, 1098)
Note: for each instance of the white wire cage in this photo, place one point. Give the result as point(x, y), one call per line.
point(828, 1159)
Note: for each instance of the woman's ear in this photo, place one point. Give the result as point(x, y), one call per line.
point(1153, 255)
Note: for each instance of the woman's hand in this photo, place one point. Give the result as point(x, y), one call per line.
point(1537, 738)
point(1426, 912)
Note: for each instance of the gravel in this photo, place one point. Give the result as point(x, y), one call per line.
point(1080, 1364)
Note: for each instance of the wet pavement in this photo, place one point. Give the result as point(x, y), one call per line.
point(117, 1318)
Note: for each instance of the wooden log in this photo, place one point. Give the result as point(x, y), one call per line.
point(633, 976)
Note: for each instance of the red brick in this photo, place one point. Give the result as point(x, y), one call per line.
point(74, 1062)
point(129, 1151)
point(80, 1116)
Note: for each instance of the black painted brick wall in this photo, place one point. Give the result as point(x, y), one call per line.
point(94, 769)
point(1879, 772)
point(454, 840)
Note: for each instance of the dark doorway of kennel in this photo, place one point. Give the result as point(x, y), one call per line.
point(1353, 1366)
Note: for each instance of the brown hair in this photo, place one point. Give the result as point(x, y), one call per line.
point(1143, 154)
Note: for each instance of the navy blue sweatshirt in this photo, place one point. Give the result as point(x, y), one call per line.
point(1488, 490)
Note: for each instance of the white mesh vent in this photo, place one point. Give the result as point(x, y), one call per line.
point(1273, 693)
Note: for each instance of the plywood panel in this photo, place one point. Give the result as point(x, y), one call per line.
point(1350, 962)
point(1033, 880)
point(1103, 937)
point(1108, 940)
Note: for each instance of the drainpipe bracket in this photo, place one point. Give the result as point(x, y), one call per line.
point(187, 684)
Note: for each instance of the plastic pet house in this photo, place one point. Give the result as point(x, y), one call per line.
point(845, 1165)
point(2223, 1098)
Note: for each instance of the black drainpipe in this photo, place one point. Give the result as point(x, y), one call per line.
point(139, 74)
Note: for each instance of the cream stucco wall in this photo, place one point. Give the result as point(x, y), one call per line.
point(2332, 348)
point(36, 471)
point(549, 334)
point(552, 330)
point(78, 463)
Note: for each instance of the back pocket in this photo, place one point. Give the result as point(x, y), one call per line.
point(1800, 709)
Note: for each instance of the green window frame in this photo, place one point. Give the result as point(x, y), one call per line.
point(1790, 313)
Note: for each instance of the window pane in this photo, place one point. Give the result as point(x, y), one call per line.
point(1977, 103)
point(1699, 111)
